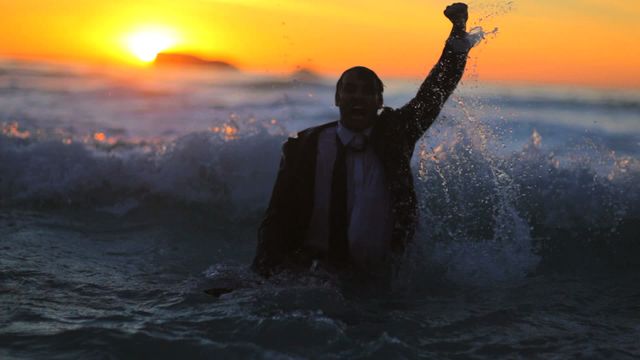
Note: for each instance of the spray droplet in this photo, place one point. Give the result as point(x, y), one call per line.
point(477, 34)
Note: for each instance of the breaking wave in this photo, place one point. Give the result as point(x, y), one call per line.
point(484, 217)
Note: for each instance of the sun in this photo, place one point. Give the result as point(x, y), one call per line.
point(146, 45)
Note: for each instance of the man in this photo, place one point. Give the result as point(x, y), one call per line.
point(344, 194)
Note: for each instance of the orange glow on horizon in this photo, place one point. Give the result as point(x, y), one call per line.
point(593, 43)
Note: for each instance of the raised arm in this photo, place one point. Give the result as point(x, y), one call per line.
point(419, 113)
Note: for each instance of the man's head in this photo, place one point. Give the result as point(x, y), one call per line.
point(359, 97)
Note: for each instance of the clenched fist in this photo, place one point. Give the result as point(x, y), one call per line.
point(457, 13)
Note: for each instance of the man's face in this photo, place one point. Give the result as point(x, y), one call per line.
point(359, 100)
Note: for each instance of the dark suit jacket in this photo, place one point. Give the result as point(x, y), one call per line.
point(394, 136)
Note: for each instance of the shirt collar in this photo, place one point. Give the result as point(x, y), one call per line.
point(347, 135)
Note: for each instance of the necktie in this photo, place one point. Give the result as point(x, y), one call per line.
point(358, 143)
point(338, 241)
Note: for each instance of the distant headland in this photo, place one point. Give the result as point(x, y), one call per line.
point(179, 59)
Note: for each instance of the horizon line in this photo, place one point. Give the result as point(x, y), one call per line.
point(103, 62)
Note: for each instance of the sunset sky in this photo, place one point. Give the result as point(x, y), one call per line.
point(584, 42)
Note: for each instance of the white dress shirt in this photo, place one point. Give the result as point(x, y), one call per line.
point(368, 199)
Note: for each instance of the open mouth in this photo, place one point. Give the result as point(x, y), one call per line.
point(357, 111)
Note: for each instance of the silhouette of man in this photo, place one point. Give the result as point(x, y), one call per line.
point(344, 193)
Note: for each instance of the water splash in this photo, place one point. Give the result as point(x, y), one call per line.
point(484, 11)
point(477, 34)
point(489, 216)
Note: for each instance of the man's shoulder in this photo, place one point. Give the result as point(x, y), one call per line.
point(315, 130)
point(305, 138)
point(388, 112)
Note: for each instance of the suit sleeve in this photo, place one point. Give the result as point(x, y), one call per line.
point(273, 243)
point(419, 113)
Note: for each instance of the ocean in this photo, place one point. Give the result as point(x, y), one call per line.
point(124, 194)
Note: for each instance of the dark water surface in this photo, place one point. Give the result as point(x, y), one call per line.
point(94, 287)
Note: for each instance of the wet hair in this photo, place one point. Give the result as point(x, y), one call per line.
point(361, 70)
